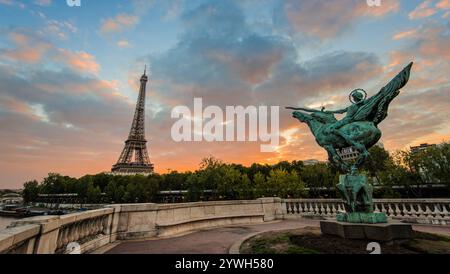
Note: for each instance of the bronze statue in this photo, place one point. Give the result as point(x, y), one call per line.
point(359, 129)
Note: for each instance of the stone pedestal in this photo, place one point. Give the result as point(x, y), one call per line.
point(378, 232)
point(362, 217)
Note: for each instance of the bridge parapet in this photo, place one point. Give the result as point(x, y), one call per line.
point(93, 229)
point(52, 234)
point(421, 211)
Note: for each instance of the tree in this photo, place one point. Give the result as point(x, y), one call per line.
point(93, 194)
point(259, 184)
point(318, 176)
point(258, 168)
point(195, 186)
point(233, 184)
point(433, 164)
point(283, 184)
point(30, 191)
point(173, 181)
point(377, 162)
point(82, 187)
point(54, 183)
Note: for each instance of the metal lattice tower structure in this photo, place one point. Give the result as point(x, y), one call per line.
point(134, 157)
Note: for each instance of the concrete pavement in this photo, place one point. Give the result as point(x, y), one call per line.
point(219, 240)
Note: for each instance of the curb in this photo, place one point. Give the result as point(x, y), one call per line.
point(235, 248)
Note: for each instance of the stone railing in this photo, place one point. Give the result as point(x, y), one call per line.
point(90, 230)
point(19, 240)
point(149, 220)
point(423, 211)
point(52, 234)
point(312, 207)
point(93, 229)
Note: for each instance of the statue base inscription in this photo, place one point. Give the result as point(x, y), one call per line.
point(378, 232)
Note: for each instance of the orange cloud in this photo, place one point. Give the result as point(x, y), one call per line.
point(79, 61)
point(14, 105)
point(31, 49)
point(331, 17)
point(426, 9)
point(119, 23)
point(404, 34)
point(28, 50)
point(423, 10)
point(443, 4)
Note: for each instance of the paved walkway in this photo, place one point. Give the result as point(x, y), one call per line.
point(219, 240)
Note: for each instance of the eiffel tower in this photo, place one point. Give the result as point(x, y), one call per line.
point(136, 145)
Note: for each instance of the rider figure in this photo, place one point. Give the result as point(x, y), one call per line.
point(358, 102)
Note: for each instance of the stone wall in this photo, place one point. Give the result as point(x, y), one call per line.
point(86, 231)
point(420, 211)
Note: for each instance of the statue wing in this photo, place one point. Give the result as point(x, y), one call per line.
point(376, 107)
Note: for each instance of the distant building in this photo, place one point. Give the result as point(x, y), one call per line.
point(11, 198)
point(421, 147)
point(351, 153)
point(311, 162)
point(348, 153)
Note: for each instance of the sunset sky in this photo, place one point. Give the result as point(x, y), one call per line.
point(69, 76)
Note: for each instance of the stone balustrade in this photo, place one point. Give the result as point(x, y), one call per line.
point(312, 207)
point(19, 240)
point(52, 234)
point(93, 229)
point(422, 211)
point(87, 230)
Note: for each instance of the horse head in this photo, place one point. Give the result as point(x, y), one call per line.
point(302, 117)
point(324, 117)
point(314, 122)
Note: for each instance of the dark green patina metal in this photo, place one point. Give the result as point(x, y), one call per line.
point(358, 129)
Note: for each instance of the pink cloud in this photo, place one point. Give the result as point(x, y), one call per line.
point(331, 17)
point(28, 50)
point(405, 34)
point(79, 61)
point(425, 9)
point(119, 23)
point(443, 4)
point(31, 49)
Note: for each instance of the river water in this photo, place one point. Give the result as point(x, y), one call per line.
point(5, 221)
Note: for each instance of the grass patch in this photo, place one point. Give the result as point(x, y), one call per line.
point(311, 241)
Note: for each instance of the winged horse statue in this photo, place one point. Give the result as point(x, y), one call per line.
point(359, 128)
